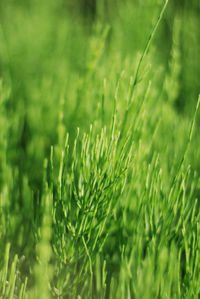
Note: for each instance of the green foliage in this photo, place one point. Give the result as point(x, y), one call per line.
point(99, 151)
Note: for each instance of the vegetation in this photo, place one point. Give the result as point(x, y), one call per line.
point(99, 149)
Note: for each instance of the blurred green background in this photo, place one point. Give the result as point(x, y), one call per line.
point(50, 50)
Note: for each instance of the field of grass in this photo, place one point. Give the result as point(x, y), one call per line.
point(99, 149)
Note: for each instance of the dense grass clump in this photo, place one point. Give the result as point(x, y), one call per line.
point(99, 149)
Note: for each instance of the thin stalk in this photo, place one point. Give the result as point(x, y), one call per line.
point(135, 80)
